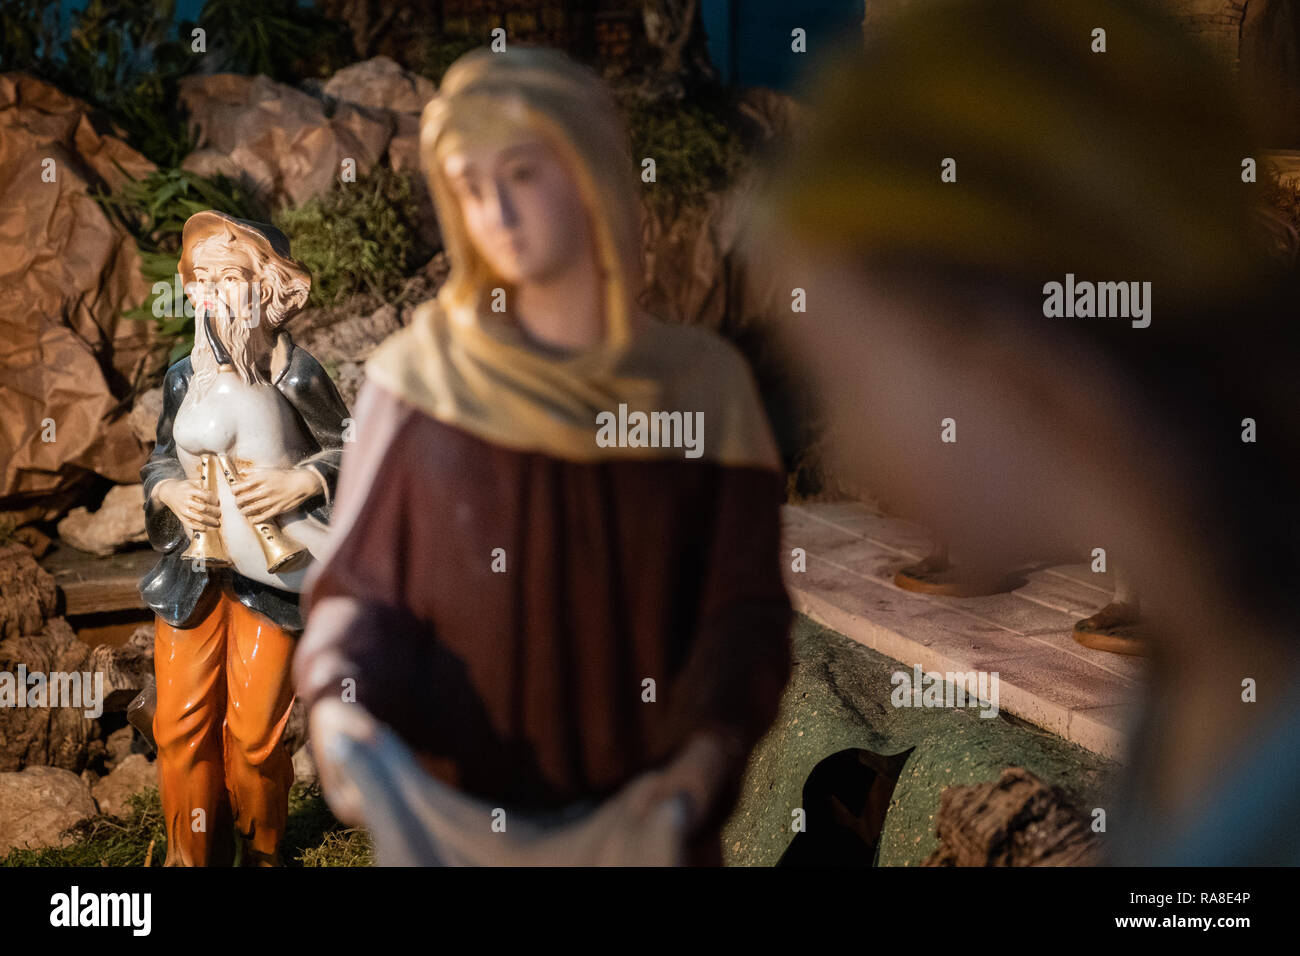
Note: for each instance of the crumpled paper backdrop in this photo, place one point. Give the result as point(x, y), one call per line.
point(276, 137)
point(380, 83)
point(66, 275)
point(286, 145)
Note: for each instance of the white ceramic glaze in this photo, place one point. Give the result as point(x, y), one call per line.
point(257, 428)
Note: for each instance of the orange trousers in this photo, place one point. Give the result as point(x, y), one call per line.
point(224, 695)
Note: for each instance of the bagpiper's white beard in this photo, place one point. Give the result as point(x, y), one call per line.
point(247, 343)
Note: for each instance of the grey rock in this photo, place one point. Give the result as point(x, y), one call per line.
point(304, 767)
point(352, 338)
point(349, 377)
point(126, 668)
point(45, 736)
point(118, 522)
point(134, 774)
point(28, 595)
point(381, 87)
point(38, 804)
point(119, 745)
point(380, 83)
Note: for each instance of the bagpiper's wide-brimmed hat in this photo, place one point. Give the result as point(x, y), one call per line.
point(271, 244)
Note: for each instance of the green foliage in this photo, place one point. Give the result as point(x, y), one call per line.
point(153, 210)
point(313, 837)
point(29, 29)
point(120, 56)
point(695, 149)
point(126, 57)
point(436, 53)
point(278, 38)
point(357, 236)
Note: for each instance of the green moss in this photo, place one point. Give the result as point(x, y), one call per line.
point(356, 236)
point(314, 837)
point(283, 39)
point(434, 54)
point(838, 699)
point(696, 148)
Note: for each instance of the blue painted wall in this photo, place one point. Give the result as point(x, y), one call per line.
point(749, 40)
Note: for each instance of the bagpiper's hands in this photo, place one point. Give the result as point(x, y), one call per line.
point(196, 507)
point(263, 493)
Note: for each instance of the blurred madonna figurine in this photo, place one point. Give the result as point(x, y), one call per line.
point(238, 493)
point(544, 594)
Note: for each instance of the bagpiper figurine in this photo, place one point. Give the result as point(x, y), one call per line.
point(238, 493)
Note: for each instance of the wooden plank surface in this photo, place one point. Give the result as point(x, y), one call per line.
point(93, 584)
point(1046, 677)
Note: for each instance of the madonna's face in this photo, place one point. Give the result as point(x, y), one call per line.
point(522, 208)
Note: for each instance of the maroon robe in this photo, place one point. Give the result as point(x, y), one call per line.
point(525, 687)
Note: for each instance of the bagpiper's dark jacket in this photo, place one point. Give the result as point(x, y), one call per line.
point(176, 591)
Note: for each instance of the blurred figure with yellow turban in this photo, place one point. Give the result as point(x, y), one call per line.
point(973, 155)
